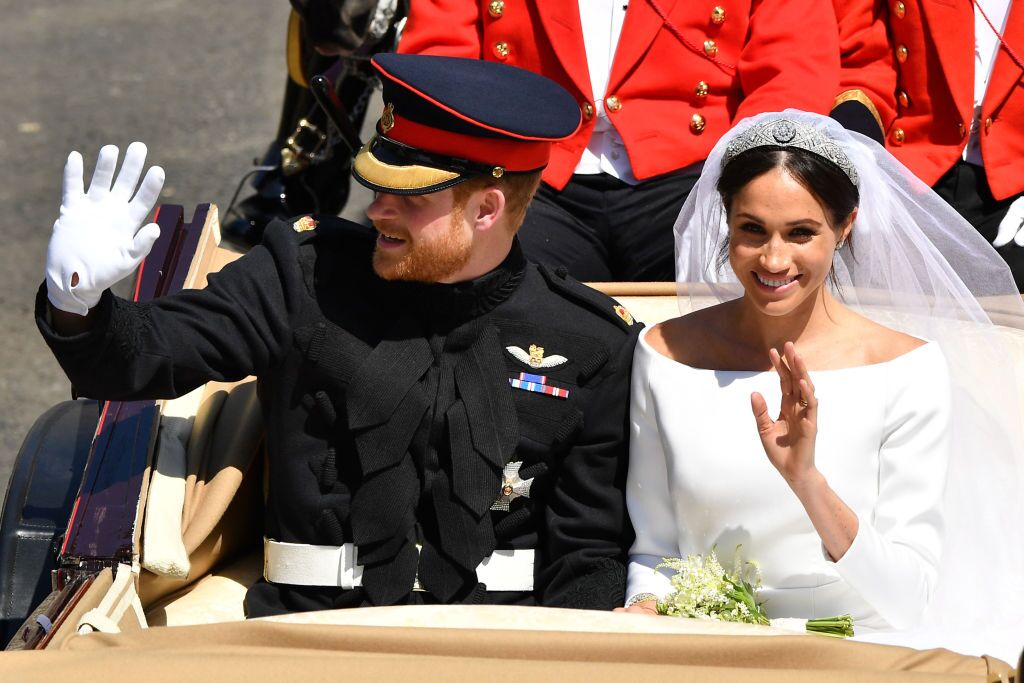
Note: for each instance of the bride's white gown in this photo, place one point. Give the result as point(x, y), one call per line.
point(699, 478)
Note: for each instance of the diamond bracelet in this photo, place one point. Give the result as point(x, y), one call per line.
point(641, 597)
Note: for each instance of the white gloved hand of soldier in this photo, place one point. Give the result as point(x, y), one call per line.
point(1012, 225)
point(97, 240)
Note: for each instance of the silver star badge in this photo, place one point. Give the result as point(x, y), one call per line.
point(512, 487)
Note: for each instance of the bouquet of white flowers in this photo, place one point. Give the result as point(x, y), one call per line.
point(703, 589)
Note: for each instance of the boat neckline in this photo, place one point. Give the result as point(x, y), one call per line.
point(642, 341)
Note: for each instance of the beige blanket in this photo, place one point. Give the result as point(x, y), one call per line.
point(268, 650)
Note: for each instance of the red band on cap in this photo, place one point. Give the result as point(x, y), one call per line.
point(512, 155)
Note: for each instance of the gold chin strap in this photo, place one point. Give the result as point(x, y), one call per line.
point(398, 177)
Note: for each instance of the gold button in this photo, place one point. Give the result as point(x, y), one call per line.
point(904, 99)
point(497, 171)
point(501, 49)
point(710, 49)
point(697, 124)
point(588, 110)
point(902, 53)
point(717, 15)
point(899, 9)
point(496, 8)
point(701, 90)
point(962, 129)
point(898, 136)
point(988, 124)
point(507, 489)
point(612, 103)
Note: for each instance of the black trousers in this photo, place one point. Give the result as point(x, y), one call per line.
point(965, 188)
point(602, 229)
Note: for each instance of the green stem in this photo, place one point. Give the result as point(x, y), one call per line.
point(837, 627)
point(742, 592)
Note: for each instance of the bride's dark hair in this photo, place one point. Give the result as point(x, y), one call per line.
point(821, 177)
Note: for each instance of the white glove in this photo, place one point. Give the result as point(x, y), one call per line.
point(97, 241)
point(1012, 225)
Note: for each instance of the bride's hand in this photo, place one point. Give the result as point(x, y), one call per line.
point(789, 439)
point(646, 607)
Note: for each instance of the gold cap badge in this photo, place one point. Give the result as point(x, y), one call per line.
point(387, 118)
point(303, 224)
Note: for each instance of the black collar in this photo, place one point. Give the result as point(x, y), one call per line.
point(461, 301)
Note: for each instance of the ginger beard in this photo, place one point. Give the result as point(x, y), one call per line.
point(427, 258)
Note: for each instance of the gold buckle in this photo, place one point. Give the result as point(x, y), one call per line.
point(306, 144)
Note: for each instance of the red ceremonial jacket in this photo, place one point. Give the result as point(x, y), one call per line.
point(866, 73)
point(933, 41)
point(671, 93)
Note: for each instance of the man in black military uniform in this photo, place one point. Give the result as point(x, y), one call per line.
point(445, 421)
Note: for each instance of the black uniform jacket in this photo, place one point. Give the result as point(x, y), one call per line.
point(391, 412)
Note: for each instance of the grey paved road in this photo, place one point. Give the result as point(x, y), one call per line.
point(199, 82)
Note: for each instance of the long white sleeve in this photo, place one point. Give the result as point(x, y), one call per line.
point(893, 561)
point(647, 494)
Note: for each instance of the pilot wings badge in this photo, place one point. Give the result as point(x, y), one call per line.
point(535, 357)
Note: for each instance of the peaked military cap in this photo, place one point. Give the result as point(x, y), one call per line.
point(449, 119)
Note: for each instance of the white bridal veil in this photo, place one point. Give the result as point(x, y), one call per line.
point(919, 267)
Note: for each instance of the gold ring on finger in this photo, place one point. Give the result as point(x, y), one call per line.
point(803, 402)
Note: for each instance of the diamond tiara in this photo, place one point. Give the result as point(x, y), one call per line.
point(789, 133)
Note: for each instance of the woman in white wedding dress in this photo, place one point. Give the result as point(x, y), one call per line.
point(785, 420)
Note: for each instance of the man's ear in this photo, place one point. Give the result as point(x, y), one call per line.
point(490, 207)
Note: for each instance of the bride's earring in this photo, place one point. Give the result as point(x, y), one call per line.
point(841, 244)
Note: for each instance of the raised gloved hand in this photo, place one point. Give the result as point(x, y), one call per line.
point(1012, 225)
point(97, 240)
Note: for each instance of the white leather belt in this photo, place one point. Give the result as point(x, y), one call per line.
point(300, 564)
